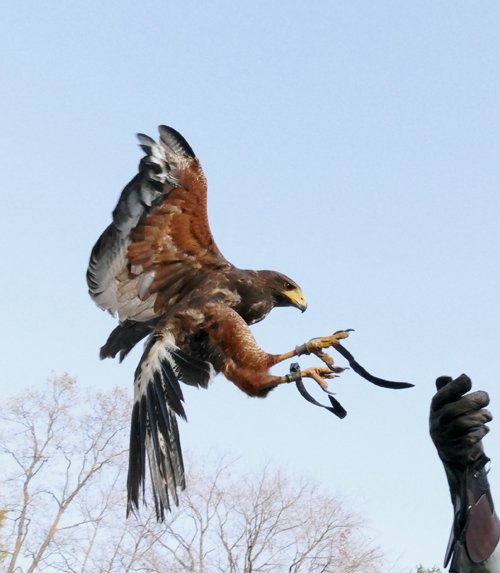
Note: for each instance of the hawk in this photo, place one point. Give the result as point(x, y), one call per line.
point(158, 268)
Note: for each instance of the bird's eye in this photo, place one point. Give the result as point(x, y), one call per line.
point(289, 286)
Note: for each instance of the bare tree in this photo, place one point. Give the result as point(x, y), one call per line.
point(264, 523)
point(55, 444)
point(63, 459)
point(2, 520)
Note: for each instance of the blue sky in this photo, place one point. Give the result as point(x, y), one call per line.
point(351, 145)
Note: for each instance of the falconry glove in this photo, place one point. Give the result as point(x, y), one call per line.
point(457, 426)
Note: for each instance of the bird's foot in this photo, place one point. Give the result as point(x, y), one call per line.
point(316, 345)
point(327, 341)
point(320, 374)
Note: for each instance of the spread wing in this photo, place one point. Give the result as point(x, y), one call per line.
point(159, 245)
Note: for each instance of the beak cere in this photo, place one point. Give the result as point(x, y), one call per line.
point(297, 299)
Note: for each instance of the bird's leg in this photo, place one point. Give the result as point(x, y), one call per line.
point(247, 365)
point(315, 346)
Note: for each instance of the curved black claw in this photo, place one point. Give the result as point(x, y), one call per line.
point(366, 375)
point(335, 408)
point(336, 369)
point(344, 330)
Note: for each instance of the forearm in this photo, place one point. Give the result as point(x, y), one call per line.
point(476, 528)
point(461, 563)
point(457, 425)
point(493, 563)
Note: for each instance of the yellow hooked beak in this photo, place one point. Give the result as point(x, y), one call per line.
point(296, 298)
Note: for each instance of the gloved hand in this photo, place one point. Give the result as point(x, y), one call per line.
point(457, 421)
point(457, 425)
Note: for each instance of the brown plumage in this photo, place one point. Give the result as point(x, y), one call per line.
point(158, 268)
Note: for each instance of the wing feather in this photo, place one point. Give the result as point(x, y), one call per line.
point(124, 337)
point(159, 239)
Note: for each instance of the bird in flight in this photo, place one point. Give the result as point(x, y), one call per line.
point(157, 267)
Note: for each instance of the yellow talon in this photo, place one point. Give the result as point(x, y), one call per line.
point(327, 341)
point(318, 374)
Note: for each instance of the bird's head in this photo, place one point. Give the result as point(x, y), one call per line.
point(284, 291)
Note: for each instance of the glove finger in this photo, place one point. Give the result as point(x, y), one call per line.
point(450, 392)
point(472, 438)
point(470, 403)
point(442, 381)
point(465, 424)
point(463, 450)
point(458, 428)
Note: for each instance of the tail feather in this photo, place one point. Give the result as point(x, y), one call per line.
point(154, 432)
point(135, 477)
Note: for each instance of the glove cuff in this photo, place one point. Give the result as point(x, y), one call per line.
point(476, 527)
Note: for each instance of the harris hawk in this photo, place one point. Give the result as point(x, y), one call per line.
point(158, 268)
